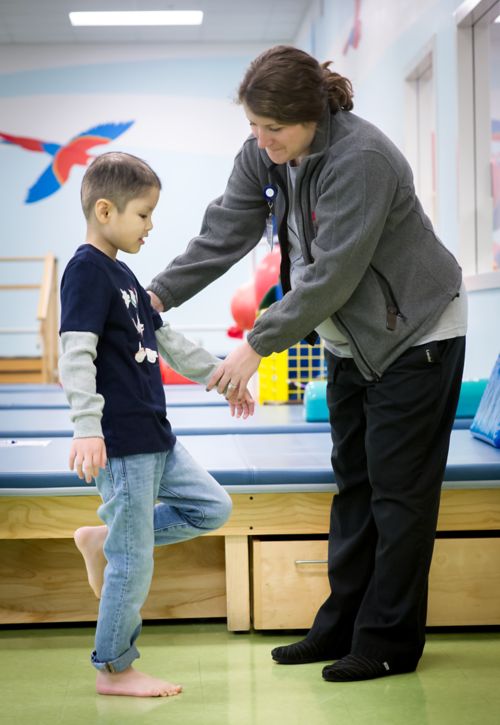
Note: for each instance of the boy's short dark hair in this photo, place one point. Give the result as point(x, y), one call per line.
point(116, 176)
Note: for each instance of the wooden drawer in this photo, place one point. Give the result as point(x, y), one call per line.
point(286, 594)
point(464, 582)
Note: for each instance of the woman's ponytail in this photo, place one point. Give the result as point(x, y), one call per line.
point(339, 89)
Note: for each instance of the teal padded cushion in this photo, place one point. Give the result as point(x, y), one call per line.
point(316, 409)
point(471, 393)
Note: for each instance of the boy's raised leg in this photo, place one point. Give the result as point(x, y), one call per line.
point(90, 541)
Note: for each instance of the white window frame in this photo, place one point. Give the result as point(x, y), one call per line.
point(474, 189)
point(424, 62)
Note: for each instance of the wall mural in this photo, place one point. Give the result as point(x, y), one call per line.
point(355, 32)
point(495, 189)
point(65, 156)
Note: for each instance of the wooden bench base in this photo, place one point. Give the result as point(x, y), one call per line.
point(42, 576)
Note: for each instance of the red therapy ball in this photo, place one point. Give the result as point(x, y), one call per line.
point(244, 306)
point(267, 274)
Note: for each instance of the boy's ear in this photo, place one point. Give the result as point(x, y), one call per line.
point(102, 210)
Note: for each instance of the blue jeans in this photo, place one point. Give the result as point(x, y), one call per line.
point(191, 502)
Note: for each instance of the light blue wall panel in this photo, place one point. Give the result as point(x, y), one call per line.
point(394, 35)
point(186, 125)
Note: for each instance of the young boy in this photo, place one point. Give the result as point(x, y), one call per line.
point(110, 336)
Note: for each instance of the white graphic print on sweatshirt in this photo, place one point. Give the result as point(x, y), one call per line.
point(144, 353)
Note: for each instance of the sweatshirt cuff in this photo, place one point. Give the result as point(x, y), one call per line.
point(87, 426)
point(163, 293)
point(257, 345)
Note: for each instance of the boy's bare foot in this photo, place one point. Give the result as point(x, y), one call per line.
point(90, 541)
point(134, 684)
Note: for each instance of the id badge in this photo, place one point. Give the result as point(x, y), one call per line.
point(270, 230)
point(269, 192)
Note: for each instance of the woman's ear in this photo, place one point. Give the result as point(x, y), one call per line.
point(102, 210)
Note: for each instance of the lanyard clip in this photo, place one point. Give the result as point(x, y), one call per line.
point(270, 193)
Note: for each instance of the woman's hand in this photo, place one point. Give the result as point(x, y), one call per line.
point(156, 302)
point(232, 376)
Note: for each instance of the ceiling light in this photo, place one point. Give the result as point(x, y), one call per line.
point(141, 17)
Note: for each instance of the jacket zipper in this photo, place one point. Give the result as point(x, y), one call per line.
point(393, 311)
point(352, 340)
point(310, 214)
point(275, 178)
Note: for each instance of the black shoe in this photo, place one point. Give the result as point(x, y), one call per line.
point(356, 667)
point(303, 652)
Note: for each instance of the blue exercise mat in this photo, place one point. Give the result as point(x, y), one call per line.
point(486, 423)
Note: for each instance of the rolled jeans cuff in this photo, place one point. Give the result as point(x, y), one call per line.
point(119, 664)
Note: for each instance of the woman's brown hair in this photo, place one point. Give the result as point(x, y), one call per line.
point(290, 86)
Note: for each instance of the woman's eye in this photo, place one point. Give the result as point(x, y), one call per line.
point(143, 216)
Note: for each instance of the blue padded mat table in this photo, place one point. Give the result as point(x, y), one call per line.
point(52, 396)
point(55, 387)
point(43, 462)
point(194, 420)
point(242, 463)
point(185, 420)
point(30, 387)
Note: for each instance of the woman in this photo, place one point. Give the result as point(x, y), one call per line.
point(363, 268)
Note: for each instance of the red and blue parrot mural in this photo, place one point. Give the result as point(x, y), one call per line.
point(64, 156)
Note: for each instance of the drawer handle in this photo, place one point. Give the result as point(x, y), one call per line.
point(311, 561)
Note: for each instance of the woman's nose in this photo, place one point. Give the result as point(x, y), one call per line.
point(262, 138)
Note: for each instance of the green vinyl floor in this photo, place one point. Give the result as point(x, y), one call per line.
point(230, 679)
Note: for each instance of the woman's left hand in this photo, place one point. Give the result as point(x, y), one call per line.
point(232, 376)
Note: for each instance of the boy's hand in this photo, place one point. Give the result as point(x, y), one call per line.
point(87, 456)
point(242, 408)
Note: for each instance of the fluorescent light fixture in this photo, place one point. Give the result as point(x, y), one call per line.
point(141, 17)
point(497, 19)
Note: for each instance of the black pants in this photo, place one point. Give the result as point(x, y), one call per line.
point(390, 446)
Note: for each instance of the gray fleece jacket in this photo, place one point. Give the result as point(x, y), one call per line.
point(374, 263)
